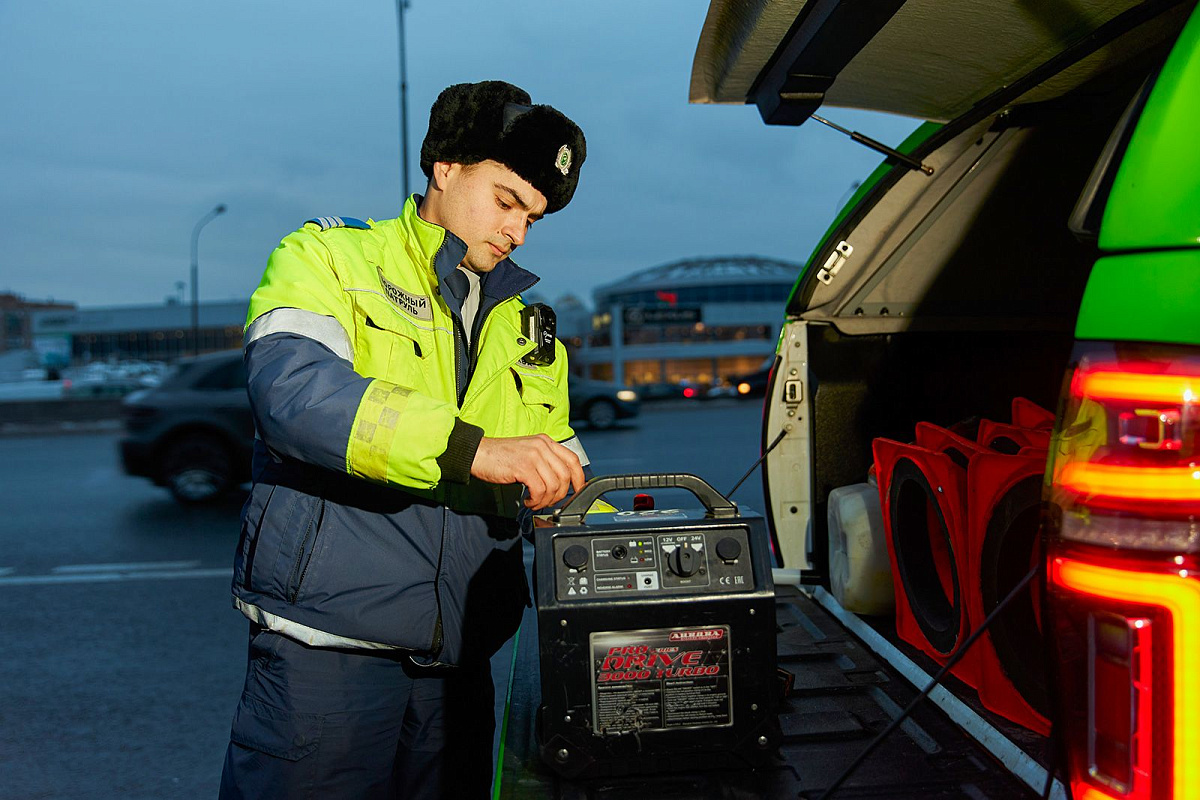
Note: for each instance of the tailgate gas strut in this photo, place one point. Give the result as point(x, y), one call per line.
point(878, 147)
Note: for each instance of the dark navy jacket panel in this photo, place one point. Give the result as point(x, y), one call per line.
point(339, 555)
point(483, 591)
point(303, 398)
point(359, 560)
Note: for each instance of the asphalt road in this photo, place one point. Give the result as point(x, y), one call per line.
point(123, 659)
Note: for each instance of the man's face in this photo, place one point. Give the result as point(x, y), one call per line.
point(489, 207)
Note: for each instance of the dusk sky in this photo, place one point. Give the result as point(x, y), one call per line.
point(123, 122)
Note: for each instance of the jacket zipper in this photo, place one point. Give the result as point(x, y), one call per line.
point(436, 645)
point(481, 318)
point(253, 549)
point(460, 380)
point(462, 349)
point(305, 554)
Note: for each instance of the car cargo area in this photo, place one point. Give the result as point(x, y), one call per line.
point(843, 694)
point(937, 302)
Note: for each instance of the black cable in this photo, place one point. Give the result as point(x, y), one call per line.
point(770, 447)
point(1050, 669)
point(1052, 767)
point(933, 683)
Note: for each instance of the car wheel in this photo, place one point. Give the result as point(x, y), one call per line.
point(197, 469)
point(601, 414)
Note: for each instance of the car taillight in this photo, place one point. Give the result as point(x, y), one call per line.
point(1123, 566)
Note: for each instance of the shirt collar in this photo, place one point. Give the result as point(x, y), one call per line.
point(447, 251)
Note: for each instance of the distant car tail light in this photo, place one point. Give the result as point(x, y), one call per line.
point(689, 392)
point(1123, 566)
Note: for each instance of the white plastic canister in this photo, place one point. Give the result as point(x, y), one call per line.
point(860, 574)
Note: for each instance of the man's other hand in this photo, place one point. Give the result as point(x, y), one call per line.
point(547, 469)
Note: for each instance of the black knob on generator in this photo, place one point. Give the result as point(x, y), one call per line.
point(729, 548)
point(684, 561)
point(575, 556)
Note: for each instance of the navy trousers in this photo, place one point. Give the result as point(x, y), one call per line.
point(325, 723)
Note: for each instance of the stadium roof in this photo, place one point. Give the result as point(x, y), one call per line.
point(722, 270)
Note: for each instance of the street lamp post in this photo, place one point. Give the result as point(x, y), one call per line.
point(401, 5)
point(207, 218)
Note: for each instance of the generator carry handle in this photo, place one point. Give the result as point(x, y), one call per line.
point(573, 512)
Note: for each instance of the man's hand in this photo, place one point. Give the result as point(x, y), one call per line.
point(546, 468)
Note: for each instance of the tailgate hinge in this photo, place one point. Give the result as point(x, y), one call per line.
point(834, 263)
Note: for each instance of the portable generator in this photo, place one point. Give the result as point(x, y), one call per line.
point(656, 634)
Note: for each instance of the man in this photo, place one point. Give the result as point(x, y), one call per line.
point(402, 407)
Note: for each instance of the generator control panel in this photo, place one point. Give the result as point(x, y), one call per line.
point(607, 564)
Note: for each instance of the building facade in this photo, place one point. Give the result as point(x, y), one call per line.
point(700, 320)
point(16, 319)
point(148, 333)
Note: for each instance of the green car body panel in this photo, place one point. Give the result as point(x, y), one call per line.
point(1147, 285)
point(1143, 297)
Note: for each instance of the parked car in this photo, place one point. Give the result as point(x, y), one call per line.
point(694, 390)
point(193, 433)
point(752, 384)
point(719, 390)
point(648, 392)
point(748, 384)
point(601, 403)
point(755, 384)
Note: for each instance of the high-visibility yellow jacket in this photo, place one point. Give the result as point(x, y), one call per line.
point(364, 528)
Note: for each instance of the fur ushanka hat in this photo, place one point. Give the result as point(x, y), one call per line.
point(474, 122)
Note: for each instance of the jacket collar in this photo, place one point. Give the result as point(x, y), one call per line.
point(447, 251)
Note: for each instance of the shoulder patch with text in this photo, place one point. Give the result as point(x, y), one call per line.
point(412, 304)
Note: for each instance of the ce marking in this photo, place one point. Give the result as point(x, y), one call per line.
point(726, 580)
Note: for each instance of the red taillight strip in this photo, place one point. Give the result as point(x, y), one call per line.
point(1104, 384)
point(1171, 484)
point(1180, 595)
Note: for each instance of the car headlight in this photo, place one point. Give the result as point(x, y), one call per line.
point(627, 395)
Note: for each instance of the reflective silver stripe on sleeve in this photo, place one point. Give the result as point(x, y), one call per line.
point(318, 327)
point(575, 447)
point(304, 634)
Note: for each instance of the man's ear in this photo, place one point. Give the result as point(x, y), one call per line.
point(441, 173)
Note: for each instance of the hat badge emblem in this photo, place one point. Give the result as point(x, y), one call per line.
point(563, 159)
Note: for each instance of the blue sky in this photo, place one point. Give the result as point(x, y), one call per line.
point(123, 122)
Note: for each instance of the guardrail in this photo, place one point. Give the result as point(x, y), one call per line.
point(60, 410)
